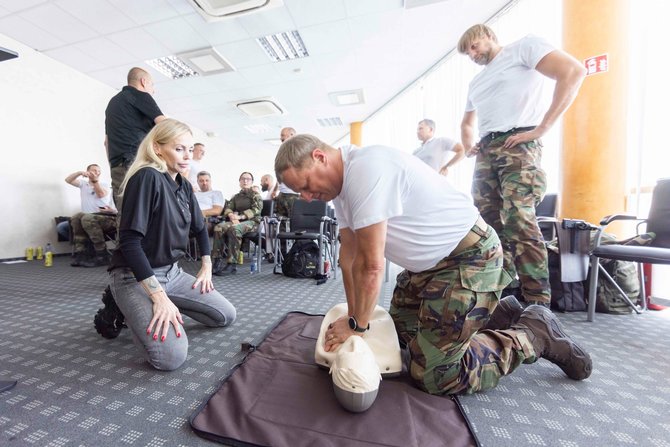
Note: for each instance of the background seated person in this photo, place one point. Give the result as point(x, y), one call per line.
point(211, 202)
point(97, 217)
point(243, 214)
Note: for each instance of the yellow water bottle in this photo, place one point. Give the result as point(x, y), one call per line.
point(29, 254)
point(40, 253)
point(48, 256)
point(240, 258)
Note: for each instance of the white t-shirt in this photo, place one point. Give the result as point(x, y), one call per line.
point(434, 152)
point(426, 217)
point(208, 199)
point(195, 167)
point(90, 202)
point(507, 93)
point(283, 189)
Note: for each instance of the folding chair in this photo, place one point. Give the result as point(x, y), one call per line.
point(312, 221)
point(264, 232)
point(658, 252)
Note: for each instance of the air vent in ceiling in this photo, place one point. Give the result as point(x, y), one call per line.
point(259, 107)
point(330, 122)
point(203, 62)
point(214, 10)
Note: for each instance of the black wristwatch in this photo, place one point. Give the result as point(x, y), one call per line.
point(353, 324)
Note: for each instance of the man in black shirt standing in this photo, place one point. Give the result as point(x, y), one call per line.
point(129, 116)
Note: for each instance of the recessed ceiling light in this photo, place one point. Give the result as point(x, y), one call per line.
point(202, 62)
point(347, 98)
point(259, 107)
point(283, 46)
point(335, 121)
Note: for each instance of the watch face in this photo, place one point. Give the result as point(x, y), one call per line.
point(352, 323)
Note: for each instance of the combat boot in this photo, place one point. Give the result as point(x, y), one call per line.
point(109, 320)
point(101, 258)
point(505, 314)
point(78, 258)
point(550, 341)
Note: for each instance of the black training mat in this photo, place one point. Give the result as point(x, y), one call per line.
point(279, 397)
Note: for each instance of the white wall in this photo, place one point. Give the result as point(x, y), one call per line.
point(52, 124)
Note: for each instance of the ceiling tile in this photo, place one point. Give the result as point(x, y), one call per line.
point(28, 34)
point(114, 77)
point(357, 7)
point(75, 58)
point(310, 12)
point(261, 74)
point(59, 23)
point(246, 53)
point(146, 11)
point(217, 33)
point(271, 21)
point(4, 12)
point(100, 15)
point(18, 5)
point(176, 35)
point(139, 43)
point(107, 52)
point(326, 39)
point(380, 30)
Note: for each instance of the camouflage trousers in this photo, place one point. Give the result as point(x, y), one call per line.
point(507, 186)
point(228, 239)
point(284, 204)
point(118, 173)
point(91, 227)
point(438, 313)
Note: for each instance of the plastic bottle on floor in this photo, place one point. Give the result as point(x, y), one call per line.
point(252, 266)
point(48, 255)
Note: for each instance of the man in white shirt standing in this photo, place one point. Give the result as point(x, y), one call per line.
point(505, 98)
point(433, 150)
point(267, 186)
point(196, 165)
point(97, 217)
point(211, 202)
point(390, 204)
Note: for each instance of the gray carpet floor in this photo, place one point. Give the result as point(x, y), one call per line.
point(76, 388)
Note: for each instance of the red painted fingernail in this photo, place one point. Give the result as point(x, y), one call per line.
point(178, 334)
point(155, 336)
point(148, 331)
point(162, 337)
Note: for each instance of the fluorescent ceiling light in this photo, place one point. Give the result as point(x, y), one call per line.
point(260, 107)
point(257, 128)
point(335, 121)
point(283, 46)
point(214, 10)
point(347, 98)
point(203, 62)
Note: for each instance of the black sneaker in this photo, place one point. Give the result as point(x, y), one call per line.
point(109, 320)
point(552, 343)
point(217, 265)
point(223, 271)
point(505, 314)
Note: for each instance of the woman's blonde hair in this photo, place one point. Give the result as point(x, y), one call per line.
point(164, 132)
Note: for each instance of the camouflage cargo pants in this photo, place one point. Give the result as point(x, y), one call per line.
point(118, 173)
point(91, 227)
point(438, 313)
point(228, 239)
point(508, 184)
point(284, 204)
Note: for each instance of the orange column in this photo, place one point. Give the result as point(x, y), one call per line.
point(356, 133)
point(593, 156)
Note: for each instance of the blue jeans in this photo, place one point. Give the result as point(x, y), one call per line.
point(210, 309)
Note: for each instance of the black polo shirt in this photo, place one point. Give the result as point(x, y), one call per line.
point(129, 116)
point(160, 212)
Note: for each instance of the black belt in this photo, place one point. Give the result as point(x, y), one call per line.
point(486, 139)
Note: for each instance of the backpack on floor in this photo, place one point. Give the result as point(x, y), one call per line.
point(302, 260)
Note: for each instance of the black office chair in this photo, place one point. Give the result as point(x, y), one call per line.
point(312, 221)
point(263, 233)
point(547, 208)
point(658, 252)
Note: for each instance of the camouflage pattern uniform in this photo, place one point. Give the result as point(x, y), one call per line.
point(91, 227)
point(507, 186)
point(227, 236)
point(438, 313)
point(284, 204)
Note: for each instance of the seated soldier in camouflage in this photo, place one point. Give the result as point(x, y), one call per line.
point(446, 305)
point(242, 214)
point(97, 217)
